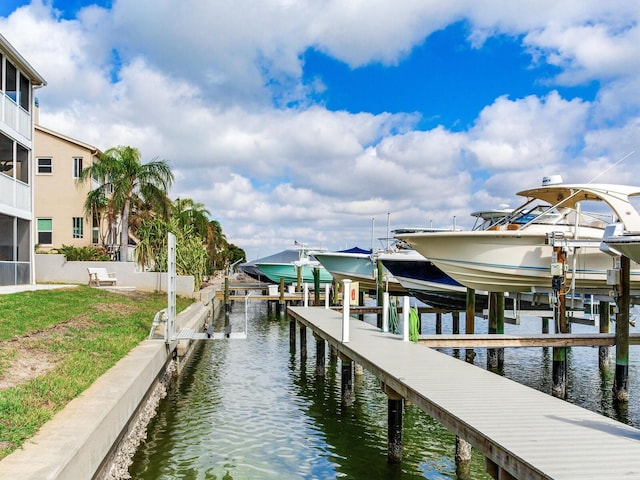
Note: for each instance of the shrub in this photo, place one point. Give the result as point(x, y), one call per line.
point(83, 254)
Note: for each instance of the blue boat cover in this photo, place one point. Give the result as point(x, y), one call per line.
point(356, 250)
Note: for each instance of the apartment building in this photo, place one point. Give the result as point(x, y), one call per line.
point(18, 82)
point(59, 159)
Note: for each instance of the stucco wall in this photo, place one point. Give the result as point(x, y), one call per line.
point(53, 268)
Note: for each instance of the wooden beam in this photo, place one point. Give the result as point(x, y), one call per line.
point(535, 340)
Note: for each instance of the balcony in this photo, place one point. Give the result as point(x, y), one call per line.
point(15, 194)
point(15, 116)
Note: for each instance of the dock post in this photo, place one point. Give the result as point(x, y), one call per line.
point(282, 303)
point(604, 353)
point(395, 406)
point(495, 356)
point(316, 286)
point(385, 312)
point(299, 277)
point(333, 354)
point(292, 334)
point(406, 307)
point(438, 323)
point(306, 295)
point(227, 302)
point(470, 322)
point(327, 288)
point(320, 355)
point(303, 341)
point(620, 384)
point(463, 458)
point(347, 381)
point(346, 295)
point(336, 293)
point(559, 374)
point(455, 327)
point(545, 325)
point(379, 283)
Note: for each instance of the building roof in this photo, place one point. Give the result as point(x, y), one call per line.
point(94, 150)
point(21, 63)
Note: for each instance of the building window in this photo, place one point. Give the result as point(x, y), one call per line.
point(45, 231)
point(77, 227)
point(25, 89)
point(45, 166)
point(11, 81)
point(6, 155)
point(95, 231)
point(77, 166)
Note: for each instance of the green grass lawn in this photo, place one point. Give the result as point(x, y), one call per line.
point(55, 343)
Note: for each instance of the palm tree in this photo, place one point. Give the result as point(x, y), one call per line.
point(121, 176)
point(192, 213)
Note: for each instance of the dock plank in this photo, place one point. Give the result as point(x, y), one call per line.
point(530, 434)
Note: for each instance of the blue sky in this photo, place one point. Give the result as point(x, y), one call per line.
point(292, 121)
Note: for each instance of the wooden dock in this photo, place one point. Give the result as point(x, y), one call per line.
point(525, 433)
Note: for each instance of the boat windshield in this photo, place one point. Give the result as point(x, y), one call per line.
point(544, 215)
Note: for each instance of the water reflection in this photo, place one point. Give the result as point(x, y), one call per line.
point(254, 409)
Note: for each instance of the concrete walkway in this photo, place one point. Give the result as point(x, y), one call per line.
point(6, 289)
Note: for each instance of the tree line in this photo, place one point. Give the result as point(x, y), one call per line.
point(133, 196)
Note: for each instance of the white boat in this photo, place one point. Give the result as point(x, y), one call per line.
point(357, 265)
point(516, 254)
point(619, 242)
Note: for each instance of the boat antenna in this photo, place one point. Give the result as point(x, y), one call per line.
point(373, 221)
point(388, 217)
point(612, 166)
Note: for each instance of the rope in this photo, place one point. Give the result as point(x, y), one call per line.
point(414, 320)
point(393, 318)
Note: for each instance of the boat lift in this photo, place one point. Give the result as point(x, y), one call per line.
point(167, 316)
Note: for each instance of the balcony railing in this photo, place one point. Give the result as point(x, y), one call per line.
point(15, 194)
point(15, 116)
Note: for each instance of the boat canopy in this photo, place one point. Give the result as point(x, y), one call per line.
point(569, 195)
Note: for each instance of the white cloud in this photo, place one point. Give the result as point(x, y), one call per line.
point(517, 134)
point(203, 87)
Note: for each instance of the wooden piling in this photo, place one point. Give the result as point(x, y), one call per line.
point(456, 323)
point(395, 406)
point(379, 282)
point(292, 334)
point(303, 342)
point(545, 325)
point(347, 381)
point(463, 459)
point(316, 286)
point(559, 373)
point(335, 293)
point(299, 278)
point(333, 354)
point(438, 323)
point(495, 356)
point(470, 322)
point(281, 302)
point(620, 385)
point(604, 353)
point(320, 355)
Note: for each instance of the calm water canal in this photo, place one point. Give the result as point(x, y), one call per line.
point(251, 409)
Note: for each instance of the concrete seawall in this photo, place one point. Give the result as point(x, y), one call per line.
point(77, 442)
